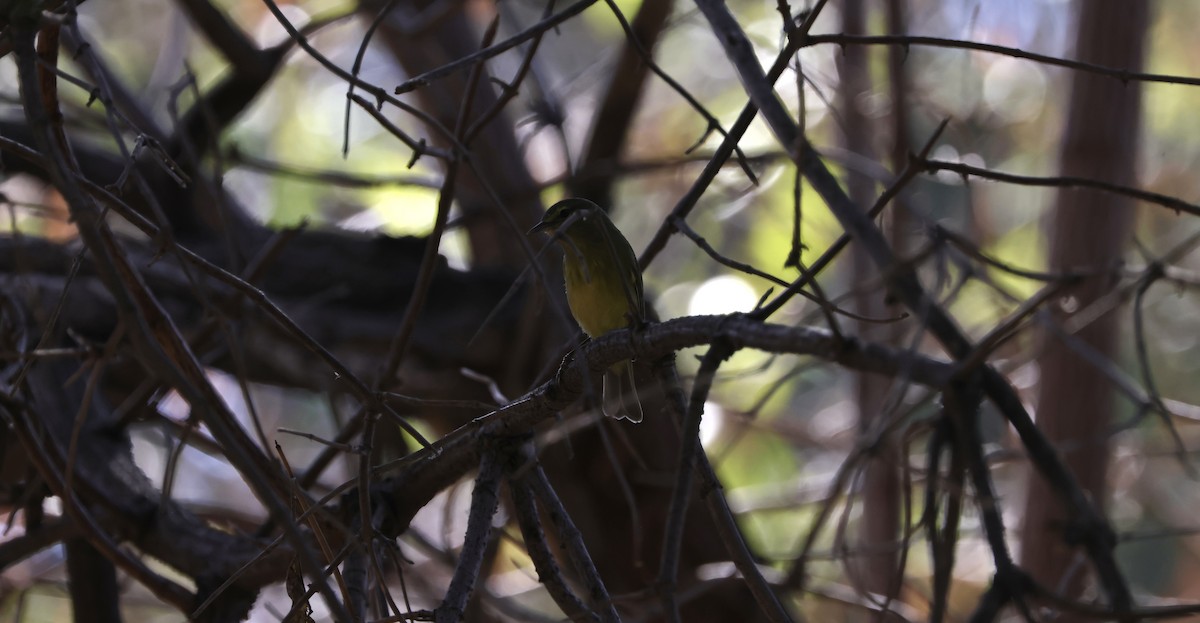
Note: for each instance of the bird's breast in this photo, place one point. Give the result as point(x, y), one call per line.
point(596, 296)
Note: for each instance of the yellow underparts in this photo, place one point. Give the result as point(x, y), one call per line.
point(602, 301)
point(597, 297)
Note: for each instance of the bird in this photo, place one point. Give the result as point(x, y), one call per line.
point(604, 287)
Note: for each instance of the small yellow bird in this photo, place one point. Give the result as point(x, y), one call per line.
point(604, 286)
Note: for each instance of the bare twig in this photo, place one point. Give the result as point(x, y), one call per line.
point(484, 499)
point(905, 286)
point(572, 543)
point(1122, 75)
point(549, 573)
point(472, 60)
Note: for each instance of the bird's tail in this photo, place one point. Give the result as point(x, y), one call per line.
point(619, 388)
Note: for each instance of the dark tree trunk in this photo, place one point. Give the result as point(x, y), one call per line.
point(1089, 230)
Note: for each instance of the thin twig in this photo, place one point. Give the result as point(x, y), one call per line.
point(549, 573)
point(494, 50)
point(1122, 75)
point(571, 541)
point(484, 499)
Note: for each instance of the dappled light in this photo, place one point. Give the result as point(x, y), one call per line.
point(890, 306)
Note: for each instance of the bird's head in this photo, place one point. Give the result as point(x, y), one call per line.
point(566, 210)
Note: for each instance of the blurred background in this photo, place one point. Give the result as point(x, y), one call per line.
point(799, 443)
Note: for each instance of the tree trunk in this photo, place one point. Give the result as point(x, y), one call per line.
point(874, 564)
point(1088, 232)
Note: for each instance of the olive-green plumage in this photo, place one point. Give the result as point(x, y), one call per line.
point(604, 285)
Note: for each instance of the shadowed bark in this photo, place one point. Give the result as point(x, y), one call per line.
point(1089, 232)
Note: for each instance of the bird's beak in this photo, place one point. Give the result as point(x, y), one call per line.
point(541, 226)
